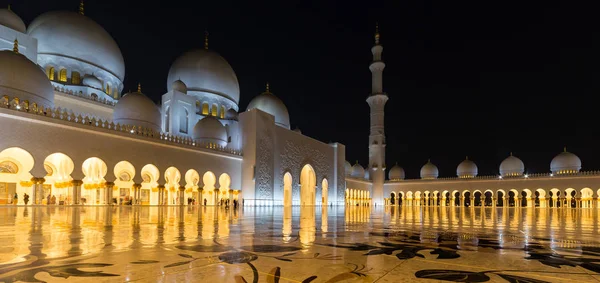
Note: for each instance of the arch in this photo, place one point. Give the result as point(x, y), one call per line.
point(124, 171)
point(192, 178)
point(222, 112)
point(167, 119)
point(59, 167)
point(108, 88)
point(477, 197)
point(224, 182)
point(308, 183)
point(287, 189)
point(62, 75)
point(94, 169)
point(324, 192)
point(50, 73)
point(184, 121)
point(393, 198)
point(172, 178)
point(15, 160)
point(75, 78)
point(213, 111)
point(466, 198)
point(205, 110)
point(501, 196)
point(209, 180)
point(488, 198)
point(586, 195)
point(150, 175)
point(541, 193)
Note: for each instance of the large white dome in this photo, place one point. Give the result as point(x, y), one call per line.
point(19, 77)
point(565, 163)
point(205, 71)
point(467, 169)
point(512, 166)
point(396, 173)
point(210, 130)
point(269, 103)
point(136, 109)
point(10, 20)
point(348, 168)
point(64, 36)
point(358, 171)
point(429, 171)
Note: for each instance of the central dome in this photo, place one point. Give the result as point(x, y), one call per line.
point(19, 77)
point(269, 103)
point(10, 20)
point(70, 35)
point(203, 70)
point(565, 163)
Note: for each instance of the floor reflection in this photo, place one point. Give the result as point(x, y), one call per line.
point(37, 236)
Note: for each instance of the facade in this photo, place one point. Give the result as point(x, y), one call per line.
point(74, 139)
point(70, 137)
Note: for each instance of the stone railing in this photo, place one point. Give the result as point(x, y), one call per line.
point(68, 116)
point(81, 95)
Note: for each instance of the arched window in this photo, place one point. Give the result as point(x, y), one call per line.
point(205, 109)
point(94, 96)
point(9, 167)
point(183, 122)
point(62, 75)
point(214, 110)
point(167, 119)
point(108, 88)
point(50, 73)
point(75, 78)
point(222, 115)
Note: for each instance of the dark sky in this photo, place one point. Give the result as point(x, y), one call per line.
point(476, 78)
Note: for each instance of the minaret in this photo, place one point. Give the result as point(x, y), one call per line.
point(377, 101)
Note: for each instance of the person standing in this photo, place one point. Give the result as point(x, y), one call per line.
point(26, 198)
point(16, 199)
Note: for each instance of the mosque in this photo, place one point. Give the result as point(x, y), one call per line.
point(70, 137)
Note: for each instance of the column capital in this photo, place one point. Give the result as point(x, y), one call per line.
point(161, 187)
point(109, 184)
point(37, 180)
point(200, 189)
point(182, 188)
point(230, 191)
point(137, 186)
point(77, 182)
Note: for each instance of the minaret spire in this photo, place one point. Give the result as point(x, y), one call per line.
point(376, 101)
point(16, 46)
point(206, 40)
point(81, 8)
point(139, 88)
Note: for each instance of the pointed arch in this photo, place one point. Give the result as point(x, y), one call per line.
point(308, 183)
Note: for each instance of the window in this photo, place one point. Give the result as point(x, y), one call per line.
point(222, 115)
point(75, 78)
point(62, 75)
point(205, 109)
point(214, 110)
point(167, 119)
point(107, 88)
point(183, 122)
point(50, 73)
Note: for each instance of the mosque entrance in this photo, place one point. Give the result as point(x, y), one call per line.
point(308, 183)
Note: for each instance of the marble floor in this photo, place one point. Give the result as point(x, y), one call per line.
point(309, 244)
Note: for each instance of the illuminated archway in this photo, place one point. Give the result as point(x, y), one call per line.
point(308, 183)
point(208, 196)
point(287, 189)
point(150, 175)
point(172, 178)
point(94, 169)
point(124, 174)
point(324, 192)
point(224, 183)
point(15, 164)
point(192, 178)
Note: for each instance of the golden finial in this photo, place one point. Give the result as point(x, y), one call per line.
point(467, 158)
point(81, 7)
point(16, 46)
point(9, 7)
point(139, 87)
point(268, 90)
point(565, 149)
point(206, 40)
point(511, 153)
point(376, 33)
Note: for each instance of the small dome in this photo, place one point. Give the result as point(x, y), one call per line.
point(467, 169)
point(512, 166)
point(180, 86)
point(210, 130)
point(19, 77)
point(565, 163)
point(358, 171)
point(396, 173)
point(429, 171)
point(9, 19)
point(136, 109)
point(367, 174)
point(271, 104)
point(92, 81)
point(348, 168)
point(205, 71)
point(71, 35)
point(231, 114)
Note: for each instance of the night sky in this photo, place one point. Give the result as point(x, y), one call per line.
point(476, 78)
